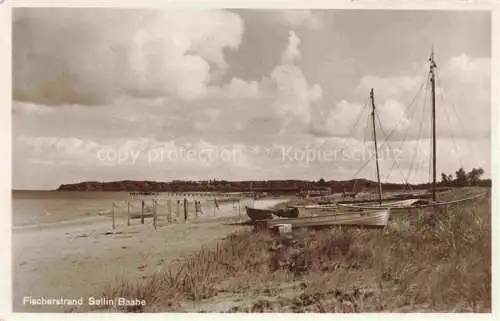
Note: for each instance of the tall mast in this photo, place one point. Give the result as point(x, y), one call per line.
point(433, 98)
point(376, 148)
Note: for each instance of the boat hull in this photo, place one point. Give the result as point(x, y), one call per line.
point(257, 214)
point(315, 210)
point(363, 219)
point(374, 205)
point(290, 212)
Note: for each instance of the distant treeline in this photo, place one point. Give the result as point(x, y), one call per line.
point(271, 186)
point(291, 186)
point(463, 178)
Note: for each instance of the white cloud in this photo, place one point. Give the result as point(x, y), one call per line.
point(315, 93)
point(286, 86)
point(466, 69)
point(292, 51)
point(354, 120)
point(462, 99)
point(89, 56)
point(465, 99)
point(300, 18)
point(294, 96)
point(31, 109)
point(392, 114)
point(342, 119)
point(238, 88)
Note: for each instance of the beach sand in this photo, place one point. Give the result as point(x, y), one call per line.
point(77, 259)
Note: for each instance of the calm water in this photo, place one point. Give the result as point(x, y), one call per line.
point(40, 207)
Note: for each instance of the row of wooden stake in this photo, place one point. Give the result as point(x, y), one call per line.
point(155, 216)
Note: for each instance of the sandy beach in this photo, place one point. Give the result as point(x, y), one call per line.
point(78, 258)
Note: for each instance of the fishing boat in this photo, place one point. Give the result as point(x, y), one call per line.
point(376, 204)
point(378, 218)
point(410, 200)
point(257, 214)
point(287, 212)
point(422, 195)
point(316, 209)
point(317, 206)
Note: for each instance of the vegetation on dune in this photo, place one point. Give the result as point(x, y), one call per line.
point(427, 262)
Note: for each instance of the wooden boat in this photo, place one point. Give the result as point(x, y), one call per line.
point(258, 214)
point(422, 195)
point(287, 212)
point(317, 206)
point(377, 218)
point(313, 210)
point(376, 204)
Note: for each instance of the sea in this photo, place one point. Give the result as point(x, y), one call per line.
point(46, 208)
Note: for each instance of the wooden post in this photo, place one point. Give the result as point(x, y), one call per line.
point(169, 210)
point(178, 208)
point(155, 217)
point(185, 210)
point(142, 212)
point(113, 215)
point(196, 208)
point(128, 213)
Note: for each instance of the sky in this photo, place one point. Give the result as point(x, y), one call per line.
point(116, 94)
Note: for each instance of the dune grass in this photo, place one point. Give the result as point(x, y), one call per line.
point(423, 262)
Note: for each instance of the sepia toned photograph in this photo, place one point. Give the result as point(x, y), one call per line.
point(251, 160)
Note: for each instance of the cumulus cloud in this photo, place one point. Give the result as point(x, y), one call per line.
point(351, 119)
point(292, 50)
point(303, 18)
point(286, 89)
point(341, 120)
point(315, 93)
point(294, 95)
point(464, 96)
point(90, 56)
point(403, 103)
point(392, 115)
point(238, 88)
